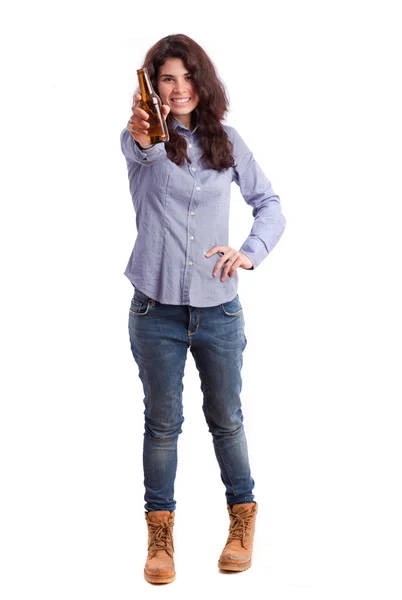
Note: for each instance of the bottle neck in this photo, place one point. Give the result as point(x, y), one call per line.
point(145, 83)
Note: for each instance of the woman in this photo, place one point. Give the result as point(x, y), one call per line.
point(185, 286)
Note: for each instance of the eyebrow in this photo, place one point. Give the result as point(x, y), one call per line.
point(168, 74)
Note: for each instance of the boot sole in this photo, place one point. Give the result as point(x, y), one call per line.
point(233, 566)
point(154, 579)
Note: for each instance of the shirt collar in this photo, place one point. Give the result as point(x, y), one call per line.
point(177, 124)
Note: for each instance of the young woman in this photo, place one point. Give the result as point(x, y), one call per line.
point(185, 279)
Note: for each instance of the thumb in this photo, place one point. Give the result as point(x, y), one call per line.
point(165, 110)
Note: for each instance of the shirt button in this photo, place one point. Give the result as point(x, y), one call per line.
point(191, 237)
point(192, 213)
point(190, 263)
point(198, 188)
point(190, 145)
point(193, 169)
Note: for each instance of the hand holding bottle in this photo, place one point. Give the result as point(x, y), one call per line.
point(138, 123)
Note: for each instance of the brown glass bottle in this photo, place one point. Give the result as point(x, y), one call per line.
point(150, 102)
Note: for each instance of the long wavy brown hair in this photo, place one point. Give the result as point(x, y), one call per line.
point(211, 109)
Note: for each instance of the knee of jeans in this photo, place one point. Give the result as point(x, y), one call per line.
point(163, 429)
point(222, 427)
point(227, 431)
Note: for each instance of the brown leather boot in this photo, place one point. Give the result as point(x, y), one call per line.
point(236, 555)
point(159, 566)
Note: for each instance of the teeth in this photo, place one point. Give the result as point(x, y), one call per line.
point(181, 101)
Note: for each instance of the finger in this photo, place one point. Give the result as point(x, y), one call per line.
point(220, 263)
point(138, 134)
point(165, 110)
point(138, 122)
point(218, 267)
point(141, 114)
point(235, 265)
point(226, 269)
point(143, 125)
point(216, 249)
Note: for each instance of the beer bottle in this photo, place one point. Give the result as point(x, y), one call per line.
point(150, 102)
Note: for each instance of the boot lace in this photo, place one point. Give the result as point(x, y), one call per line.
point(239, 527)
point(161, 538)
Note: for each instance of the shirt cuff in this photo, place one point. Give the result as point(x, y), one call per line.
point(132, 150)
point(255, 250)
point(147, 153)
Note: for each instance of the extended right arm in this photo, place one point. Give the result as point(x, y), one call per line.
point(133, 151)
point(134, 139)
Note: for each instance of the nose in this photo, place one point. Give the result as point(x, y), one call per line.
point(181, 86)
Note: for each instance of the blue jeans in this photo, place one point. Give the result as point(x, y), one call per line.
point(160, 335)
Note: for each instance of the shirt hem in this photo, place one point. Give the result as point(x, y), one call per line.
point(157, 297)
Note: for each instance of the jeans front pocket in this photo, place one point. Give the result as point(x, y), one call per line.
point(232, 308)
point(140, 304)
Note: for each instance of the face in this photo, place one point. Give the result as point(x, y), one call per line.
point(176, 89)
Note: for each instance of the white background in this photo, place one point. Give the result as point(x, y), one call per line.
point(314, 91)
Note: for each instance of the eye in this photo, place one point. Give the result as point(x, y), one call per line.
point(189, 76)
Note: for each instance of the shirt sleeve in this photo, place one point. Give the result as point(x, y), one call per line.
point(133, 151)
point(269, 222)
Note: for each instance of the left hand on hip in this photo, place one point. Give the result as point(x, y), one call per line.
point(232, 258)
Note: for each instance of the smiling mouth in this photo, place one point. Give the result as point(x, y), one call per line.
point(180, 100)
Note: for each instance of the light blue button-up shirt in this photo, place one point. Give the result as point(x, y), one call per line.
point(183, 211)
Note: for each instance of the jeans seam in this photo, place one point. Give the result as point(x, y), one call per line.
point(226, 467)
point(197, 327)
point(206, 411)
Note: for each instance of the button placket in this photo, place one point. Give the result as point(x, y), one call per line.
point(194, 201)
